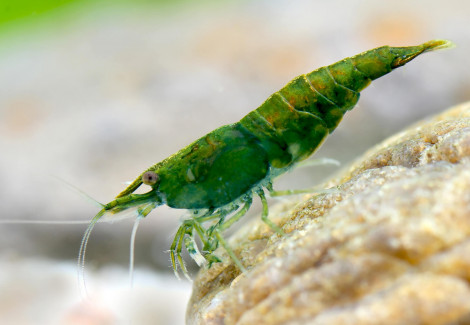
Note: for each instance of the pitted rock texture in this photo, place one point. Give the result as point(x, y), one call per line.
point(389, 244)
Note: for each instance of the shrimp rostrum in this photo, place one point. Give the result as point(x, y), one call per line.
point(217, 176)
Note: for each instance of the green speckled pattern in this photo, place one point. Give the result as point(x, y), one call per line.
point(288, 127)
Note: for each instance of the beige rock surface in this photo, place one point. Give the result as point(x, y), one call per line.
point(390, 246)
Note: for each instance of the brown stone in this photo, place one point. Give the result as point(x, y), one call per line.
point(390, 244)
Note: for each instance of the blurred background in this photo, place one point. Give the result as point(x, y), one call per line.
point(94, 92)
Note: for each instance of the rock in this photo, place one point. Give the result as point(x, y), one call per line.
point(389, 245)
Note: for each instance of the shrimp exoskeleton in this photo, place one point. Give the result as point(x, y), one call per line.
point(220, 172)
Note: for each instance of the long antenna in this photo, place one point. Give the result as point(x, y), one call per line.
point(45, 222)
point(81, 253)
point(132, 250)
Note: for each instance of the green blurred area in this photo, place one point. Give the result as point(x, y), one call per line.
point(30, 13)
point(11, 10)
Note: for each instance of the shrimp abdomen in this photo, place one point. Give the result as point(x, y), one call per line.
point(293, 122)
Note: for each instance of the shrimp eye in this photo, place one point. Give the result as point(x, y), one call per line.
point(149, 178)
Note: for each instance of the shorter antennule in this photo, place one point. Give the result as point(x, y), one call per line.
point(79, 191)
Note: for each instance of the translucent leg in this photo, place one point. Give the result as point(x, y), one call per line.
point(313, 190)
point(185, 236)
point(219, 214)
point(210, 238)
point(264, 215)
point(237, 216)
point(317, 162)
point(175, 252)
point(214, 236)
point(302, 164)
point(229, 250)
point(193, 251)
point(201, 232)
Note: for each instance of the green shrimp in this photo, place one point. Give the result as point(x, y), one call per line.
point(217, 176)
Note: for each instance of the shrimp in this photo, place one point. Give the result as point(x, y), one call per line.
point(216, 177)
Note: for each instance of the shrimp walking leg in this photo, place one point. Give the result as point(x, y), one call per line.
point(213, 239)
point(193, 251)
point(175, 252)
point(316, 190)
point(264, 214)
point(236, 216)
point(317, 162)
point(229, 250)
